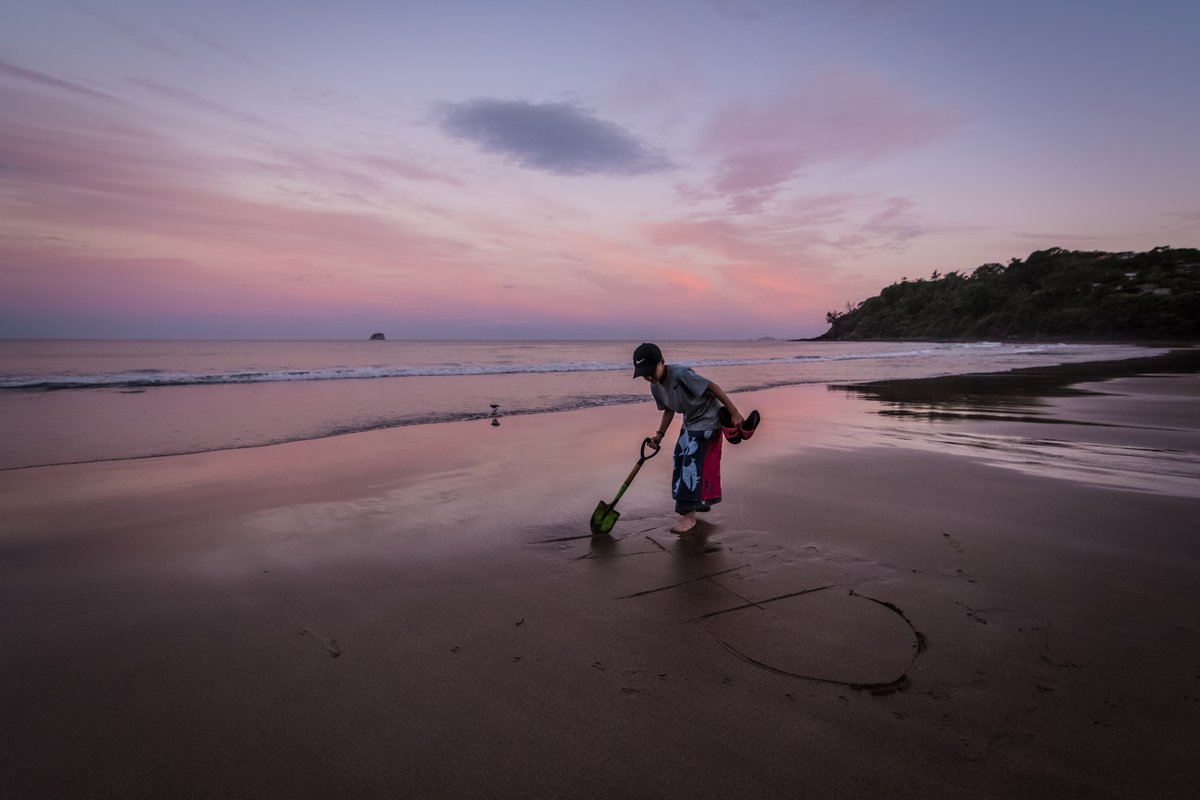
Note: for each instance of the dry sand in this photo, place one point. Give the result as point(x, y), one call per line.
point(885, 605)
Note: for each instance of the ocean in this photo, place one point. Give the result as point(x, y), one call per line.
point(79, 401)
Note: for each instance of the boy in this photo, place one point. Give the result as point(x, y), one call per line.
point(707, 410)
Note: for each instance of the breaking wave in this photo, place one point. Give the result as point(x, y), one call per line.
point(150, 378)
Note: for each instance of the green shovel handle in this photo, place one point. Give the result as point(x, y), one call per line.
point(633, 473)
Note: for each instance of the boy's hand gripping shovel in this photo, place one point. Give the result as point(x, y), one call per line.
point(606, 514)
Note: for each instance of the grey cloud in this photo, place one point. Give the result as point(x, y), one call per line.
point(554, 137)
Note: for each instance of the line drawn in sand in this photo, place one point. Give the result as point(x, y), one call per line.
point(880, 687)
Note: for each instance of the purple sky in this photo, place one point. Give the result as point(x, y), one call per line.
point(701, 169)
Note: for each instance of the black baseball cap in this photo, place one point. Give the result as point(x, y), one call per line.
point(645, 359)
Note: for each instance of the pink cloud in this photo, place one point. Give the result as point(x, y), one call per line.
point(100, 212)
point(896, 224)
point(760, 268)
point(203, 104)
point(134, 33)
point(113, 175)
point(106, 215)
point(78, 282)
point(797, 232)
point(723, 238)
point(1186, 222)
point(33, 76)
point(409, 169)
point(851, 117)
point(784, 266)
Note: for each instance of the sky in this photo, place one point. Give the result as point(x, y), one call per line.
point(683, 169)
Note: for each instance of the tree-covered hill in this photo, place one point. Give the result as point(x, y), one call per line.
point(1052, 293)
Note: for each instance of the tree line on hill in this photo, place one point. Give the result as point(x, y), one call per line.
point(1052, 293)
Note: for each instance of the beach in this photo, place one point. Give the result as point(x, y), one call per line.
point(953, 595)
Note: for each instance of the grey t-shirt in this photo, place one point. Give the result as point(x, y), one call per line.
point(685, 392)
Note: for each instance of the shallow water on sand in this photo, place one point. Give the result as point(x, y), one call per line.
point(1137, 433)
point(66, 402)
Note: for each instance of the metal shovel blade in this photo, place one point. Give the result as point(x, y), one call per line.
point(604, 518)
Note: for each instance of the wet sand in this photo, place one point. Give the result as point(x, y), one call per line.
point(956, 597)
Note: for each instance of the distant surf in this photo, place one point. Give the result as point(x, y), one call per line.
point(158, 377)
point(72, 402)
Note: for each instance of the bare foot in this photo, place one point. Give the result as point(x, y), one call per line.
point(686, 523)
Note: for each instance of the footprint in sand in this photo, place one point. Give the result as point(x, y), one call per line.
point(329, 645)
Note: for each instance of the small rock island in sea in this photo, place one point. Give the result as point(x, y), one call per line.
point(377, 337)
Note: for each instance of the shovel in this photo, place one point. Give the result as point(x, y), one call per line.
point(606, 514)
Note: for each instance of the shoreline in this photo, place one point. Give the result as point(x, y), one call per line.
point(1134, 342)
point(1033, 380)
point(421, 610)
point(1037, 378)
